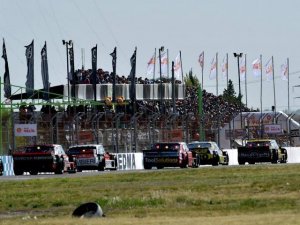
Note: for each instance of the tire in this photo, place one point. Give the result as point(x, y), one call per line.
point(241, 163)
point(159, 167)
point(274, 159)
point(216, 161)
point(146, 167)
point(60, 166)
point(18, 172)
point(101, 166)
point(33, 172)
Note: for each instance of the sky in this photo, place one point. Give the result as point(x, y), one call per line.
point(257, 27)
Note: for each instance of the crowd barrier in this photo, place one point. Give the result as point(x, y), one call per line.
point(134, 161)
point(8, 169)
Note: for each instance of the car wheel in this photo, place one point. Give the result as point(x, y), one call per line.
point(33, 172)
point(18, 172)
point(101, 166)
point(60, 166)
point(241, 163)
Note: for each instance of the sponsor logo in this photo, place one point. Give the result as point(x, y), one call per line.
point(161, 160)
point(88, 161)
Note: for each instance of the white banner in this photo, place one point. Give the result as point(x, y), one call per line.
point(273, 129)
point(26, 130)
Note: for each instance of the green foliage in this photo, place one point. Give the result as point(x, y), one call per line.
point(229, 94)
point(191, 79)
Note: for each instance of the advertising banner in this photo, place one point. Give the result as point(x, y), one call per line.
point(25, 130)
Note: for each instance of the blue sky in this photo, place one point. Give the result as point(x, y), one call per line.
point(267, 27)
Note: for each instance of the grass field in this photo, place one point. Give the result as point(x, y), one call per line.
point(258, 194)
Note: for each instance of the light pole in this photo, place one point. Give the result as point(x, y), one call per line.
point(238, 56)
point(161, 49)
point(67, 44)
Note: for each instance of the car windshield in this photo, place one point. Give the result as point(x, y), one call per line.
point(81, 150)
point(166, 146)
point(258, 144)
point(30, 149)
point(199, 145)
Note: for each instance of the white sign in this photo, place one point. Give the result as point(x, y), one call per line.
point(26, 130)
point(273, 129)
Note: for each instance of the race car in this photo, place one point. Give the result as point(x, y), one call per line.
point(261, 150)
point(208, 153)
point(167, 154)
point(91, 157)
point(42, 158)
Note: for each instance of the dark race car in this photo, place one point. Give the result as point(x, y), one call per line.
point(171, 154)
point(208, 153)
point(42, 158)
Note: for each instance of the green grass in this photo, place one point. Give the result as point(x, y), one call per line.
point(151, 197)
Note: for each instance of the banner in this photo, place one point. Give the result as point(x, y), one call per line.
point(72, 77)
point(30, 69)
point(94, 70)
point(45, 73)
point(7, 87)
point(25, 130)
point(114, 65)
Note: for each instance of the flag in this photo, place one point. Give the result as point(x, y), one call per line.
point(7, 87)
point(114, 65)
point(284, 71)
point(213, 69)
point(269, 69)
point(72, 77)
point(151, 66)
point(45, 73)
point(201, 59)
point(256, 67)
point(243, 67)
point(177, 67)
point(94, 70)
point(30, 69)
point(164, 63)
point(225, 67)
point(132, 78)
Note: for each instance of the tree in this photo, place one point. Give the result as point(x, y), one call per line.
point(229, 94)
point(191, 79)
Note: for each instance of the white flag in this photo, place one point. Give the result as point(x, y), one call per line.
point(213, 69)
point(269, 69)
point(177, 67)
point(201, 59)
point(284, 71)
point(151, 66)
point(243, 67)
point(256, 66)
point(164, 63)
point(224, 67)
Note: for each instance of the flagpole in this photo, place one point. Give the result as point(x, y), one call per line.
point(1, 145)
point(227, 79)
point(261, 122)
point(288, 75)
point(274, 92)
point(202, 70)
point(159, 57)
point(217, 88)
point(181, 66)
point(246, 80)
point(154, 72)
point(218, 122)
point(168, 64)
